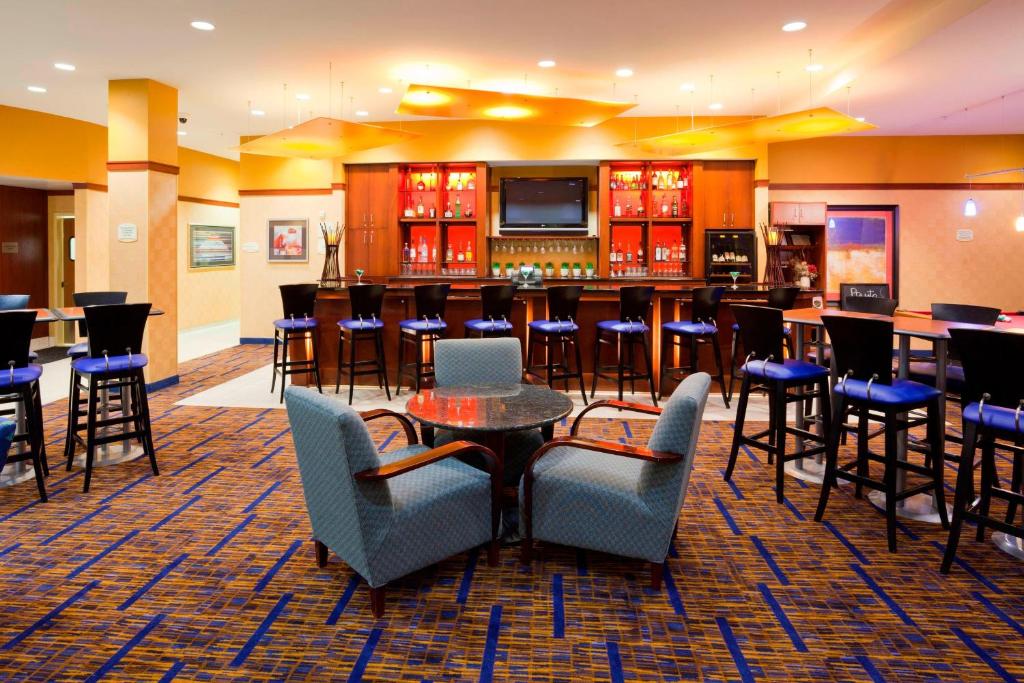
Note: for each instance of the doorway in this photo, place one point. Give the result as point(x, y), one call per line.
point(66, 274)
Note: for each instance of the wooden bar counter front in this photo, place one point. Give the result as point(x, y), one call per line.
point(600, 302)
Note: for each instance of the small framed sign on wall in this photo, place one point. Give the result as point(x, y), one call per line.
point(288, 241)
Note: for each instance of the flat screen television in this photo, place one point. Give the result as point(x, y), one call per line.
point(543, 205)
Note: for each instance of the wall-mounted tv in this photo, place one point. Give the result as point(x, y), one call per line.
point(543, 205)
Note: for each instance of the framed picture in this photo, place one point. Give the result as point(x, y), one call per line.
point(288, 241)
point(211, 246)
point(800, 239)
point(862, 247)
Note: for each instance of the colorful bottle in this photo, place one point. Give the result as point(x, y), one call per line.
point(449, 254)
point(469, 251)
point(629, 207)
point(405, 253)
point(617, 211)
point(420, 211)
point(639, 253)
point(664, 207)
point(675, 207)
point(471, 183)
point(458, 206)
point(458, 183)
point(420, 186)
point(448, 210)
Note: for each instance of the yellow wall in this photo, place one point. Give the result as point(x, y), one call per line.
point(206, 296)
point(207, 176)
point(280, 173)
point(139, 113)
point(37, 145)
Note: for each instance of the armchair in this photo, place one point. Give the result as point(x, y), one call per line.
point(390, 514)
point(7, 428)
point(605, 496)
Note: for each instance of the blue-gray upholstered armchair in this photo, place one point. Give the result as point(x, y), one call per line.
point(7, 428)
point(389, 514)
point(605, 496)
point(486, 362)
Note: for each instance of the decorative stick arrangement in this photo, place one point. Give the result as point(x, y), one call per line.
point(333, 234)
point(773, 274)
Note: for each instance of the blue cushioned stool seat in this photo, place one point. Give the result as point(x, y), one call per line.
point(423, 325)
point(371, 324)
point(481, 325)
point(900, 392)
point(90, 366)
point(297, 324)
point(789, 369)
point(554, 326)
point(995, 417)
point(78, 350)
point(685, 327)
point(29, 373)
point(623, 328)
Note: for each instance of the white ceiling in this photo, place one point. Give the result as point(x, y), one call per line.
point(915, 78)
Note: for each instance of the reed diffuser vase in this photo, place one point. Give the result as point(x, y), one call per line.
point(333, 234)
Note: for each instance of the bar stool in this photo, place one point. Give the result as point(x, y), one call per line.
point(782, 298)
point(363, 325)
point(558, 330)
point(862, 354)
point(852, 300)
point(428, 326)
point(81, 349)
point(701, 330)
point(495, 314)
point(112, 328)
point(923, 370)
point(761, 328)
point(993, 399)
point(298, 322)
point(19, 386)
point(624, 334)
point(17, 302)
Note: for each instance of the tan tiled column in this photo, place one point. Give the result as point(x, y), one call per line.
point(142, 180)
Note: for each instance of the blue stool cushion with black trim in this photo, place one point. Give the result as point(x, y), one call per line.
point(297, 324)
point(78, 350)
point(925, 372)
point(789, 370)
point(995, 417)
point(900, 392)
point(423, 325)
point(29, 373)
point(98, 366)
point(785, 330)
point(481, 325)
point(554, 326)
point(682, 327)
point(622, 328)
point(371, 324)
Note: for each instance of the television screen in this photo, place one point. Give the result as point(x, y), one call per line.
point(543, 205)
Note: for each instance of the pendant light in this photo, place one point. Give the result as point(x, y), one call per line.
point(970, 208)
point(1019, 223)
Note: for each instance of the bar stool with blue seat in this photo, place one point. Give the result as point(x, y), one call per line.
point(427, 327)
point(115, 362)
point(81, 349)
point(19, 387)
point(364, 325)
point(782, 298)
point(862, 354)
point(624, 334)
point(993, 415)
point(298, 323)
point(701, 330)
point(786, 380)
point(558, 331)
point(17, 302)
point(495, 312)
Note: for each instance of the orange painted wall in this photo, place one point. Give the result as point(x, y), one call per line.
point(37, 145)
point(138, 112)
point(207, 176)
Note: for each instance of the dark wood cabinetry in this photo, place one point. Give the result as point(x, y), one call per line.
point(370, 214)
point(727, 188)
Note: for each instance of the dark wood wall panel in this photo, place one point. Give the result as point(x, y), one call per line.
point(23, 221)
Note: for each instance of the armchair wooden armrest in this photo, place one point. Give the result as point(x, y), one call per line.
point(410, 430)
point(413, 462)
point(611, 403)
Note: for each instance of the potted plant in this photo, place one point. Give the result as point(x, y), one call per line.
point(549, 269)
point(496, 269)
point(577, 271)
point(510, 268)
point(590, 269)
point(563, 271)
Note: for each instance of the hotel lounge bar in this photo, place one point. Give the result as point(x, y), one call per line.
point(543, 342)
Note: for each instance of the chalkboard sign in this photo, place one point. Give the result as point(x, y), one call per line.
point(879, 290)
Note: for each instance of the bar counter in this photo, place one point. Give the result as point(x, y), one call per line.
point(600, 301)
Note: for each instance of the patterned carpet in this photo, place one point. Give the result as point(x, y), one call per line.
point(207, 573)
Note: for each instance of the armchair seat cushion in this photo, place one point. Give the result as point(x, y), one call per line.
point(689, 328)
point(622, 328)
point(357, 325)
point(902, 392)
point(480, 325)
point(789, 370)
point(432, 325)
point(995, 417)
point(554, 326)
point(296, 324)
point(90, 366)
point(30, 373)
point(519, 446)
point(78, 350)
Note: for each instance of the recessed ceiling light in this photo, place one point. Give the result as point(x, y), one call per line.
point(36, 88)
point(302, 96)
point(624, 72)
point(715, 106)
point(384, 90)
point(257, 112)
point(546, 63)
point(203, 25)
point(687, 87)
point(793, 26)
point(64, 66)
point(182, 133)
point(362, 112)
point(814, 68)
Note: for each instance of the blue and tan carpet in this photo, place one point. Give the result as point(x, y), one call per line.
point(207, 573)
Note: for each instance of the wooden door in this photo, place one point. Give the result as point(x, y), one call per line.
point(382, 250)
point(67, 275)
point(714, 180)
point(356, 218)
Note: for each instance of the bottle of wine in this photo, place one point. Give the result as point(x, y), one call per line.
point(679, 181)
point(448, 210)
point(405, 253)
point(619, 255)
point(433, 254)
point(629, 252)
point(458, 206)
point(471, 182)
point(675, 207)
point(460, 256)
point(458, 183)
point(674, 254)
point(617, 211)
point(420, 186)
point(629, 206)
point(640, 207)
point(682, 253)
point(432, 212)
point(664, 207)
point(419, 207)
point(449, 254)
point(469, 251)
point(640, 254)
point(423, 249)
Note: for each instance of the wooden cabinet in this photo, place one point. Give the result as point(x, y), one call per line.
point(369, 211)
point(798, 213)
point(728, 194)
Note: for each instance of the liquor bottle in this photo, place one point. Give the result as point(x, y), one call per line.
point(682, 253)
point(433, 254)
point(632, 183)
point(423, 249)
point(674, 254)
point(420, 186)
point(611, 260)
point(419, 207)
point(640, 254)
point(679, 181)
point(405, 253)
point(448, 210)
point(460, 256)
point(409, 211)
point(432, 212)
point(619, 256)
point(686, 210)
point(675, 207)
point(471, 182)
point(458, 184)
point(469, 251)
point(617, 211)
point(449, 254)
point(458, 206)
point(664, 207)
point(640, 208)
point(614, 183)
point(629, 206)
point(468, 213)
point(629, 252)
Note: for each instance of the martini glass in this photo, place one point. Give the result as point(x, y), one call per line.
point(734, 274)
point(359, 276)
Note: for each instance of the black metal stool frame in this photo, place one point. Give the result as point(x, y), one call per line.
point(634, 303)
point(366, 302)
point(705, 311)
point(298, 301)
point(17, 326)
point(430, 305)
point(563, 305)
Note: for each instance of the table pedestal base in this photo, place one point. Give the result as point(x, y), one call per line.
point(1011, 545)
point(111, 454)
point(808, 469)
point(920, 508)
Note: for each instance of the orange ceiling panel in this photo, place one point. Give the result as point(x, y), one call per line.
point(324, 138)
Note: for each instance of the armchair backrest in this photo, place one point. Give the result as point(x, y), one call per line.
point(331, 445)
point(462, 362)
point(663, 486)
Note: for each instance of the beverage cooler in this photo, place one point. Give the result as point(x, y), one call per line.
point(728, 253)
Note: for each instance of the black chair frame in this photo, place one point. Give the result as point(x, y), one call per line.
point(704, 310)
point(298, 302)
point(495, 304)
point(430, 305)
point(783, 298)
point(634, 304)
point(563, 305)
point(367, 302)
point(15, 340)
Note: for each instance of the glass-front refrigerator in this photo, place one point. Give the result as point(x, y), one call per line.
point(730, 256)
